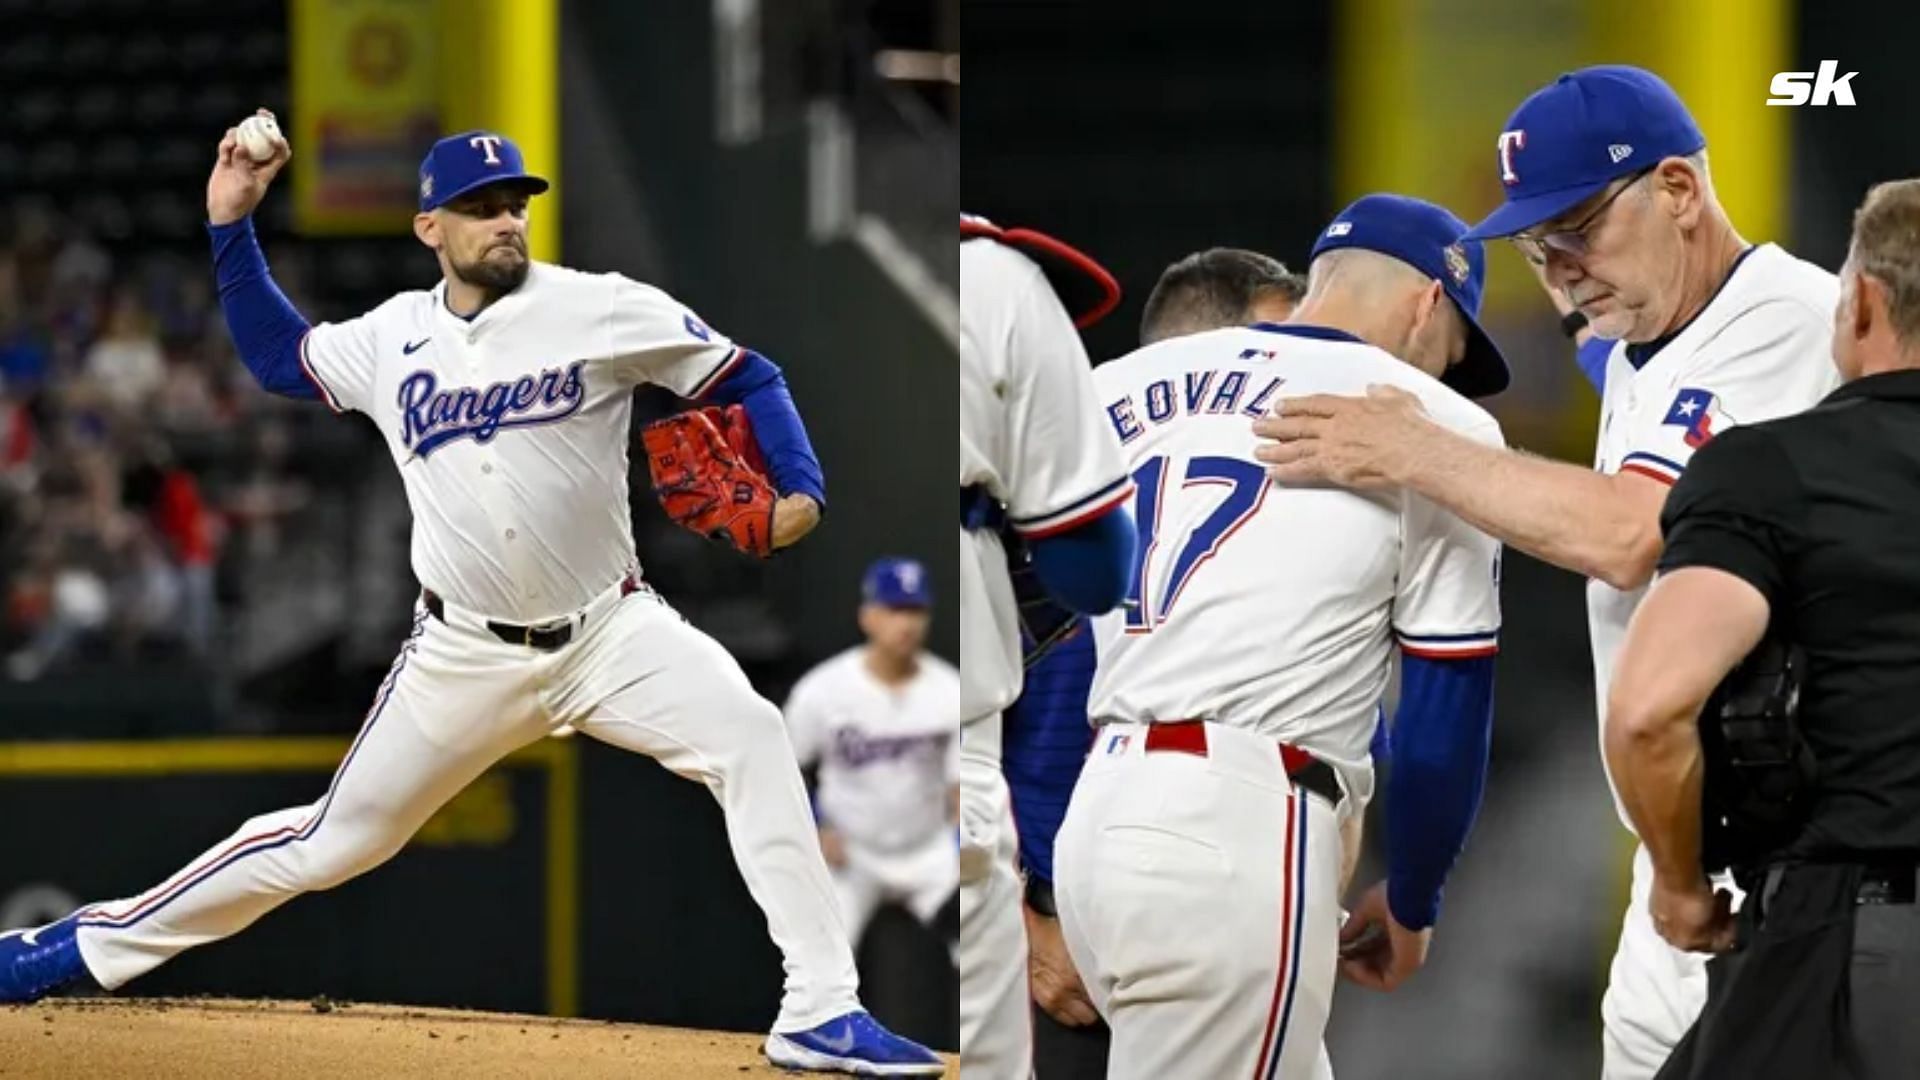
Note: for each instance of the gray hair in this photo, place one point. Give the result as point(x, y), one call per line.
point(1886, 247)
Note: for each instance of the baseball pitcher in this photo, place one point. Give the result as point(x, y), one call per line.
point(1198, 871)
point(503, 394)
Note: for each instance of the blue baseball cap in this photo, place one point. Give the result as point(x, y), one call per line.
point(900, 583)
point(1428, 238)
point(1578, 134)
point(460, 163)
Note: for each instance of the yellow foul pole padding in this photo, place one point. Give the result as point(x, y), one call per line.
point(500, 63)
point(1719, 56)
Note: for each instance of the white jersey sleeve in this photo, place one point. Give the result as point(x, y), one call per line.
point(805, 725)
point(653, 338)
point(1063, 463)
point(1763, 365)
point(1446, 601)
point(340, 360)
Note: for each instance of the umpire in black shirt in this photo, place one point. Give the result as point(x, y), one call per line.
point(1803, 534)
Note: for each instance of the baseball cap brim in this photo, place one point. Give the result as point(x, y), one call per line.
point(534, 185)
point(1483, 371)
point(1512, 217)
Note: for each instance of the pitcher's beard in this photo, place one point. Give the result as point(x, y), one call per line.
point(498, 278)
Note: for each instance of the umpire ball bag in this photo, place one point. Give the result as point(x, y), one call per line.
point(1760, 771)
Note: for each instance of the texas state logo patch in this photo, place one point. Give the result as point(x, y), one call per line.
point(1699, 412)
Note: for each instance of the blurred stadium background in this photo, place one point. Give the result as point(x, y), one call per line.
point(201, 584)
point(1143, 132)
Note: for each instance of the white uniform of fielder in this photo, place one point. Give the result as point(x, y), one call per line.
point(888, 756)
point(1032, 436)
point(1199, 895)
point(1758, 350)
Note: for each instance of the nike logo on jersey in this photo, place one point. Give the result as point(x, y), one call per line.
point(431, 417)
point(412, 347)
point(1199, 393)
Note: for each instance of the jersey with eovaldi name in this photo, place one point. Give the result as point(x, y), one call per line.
point(1275, 608)
point(1031, 435)
point(1760, 349)
point(888, 753)
point(510, 429)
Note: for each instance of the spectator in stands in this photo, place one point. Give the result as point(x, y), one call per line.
point(126, 363)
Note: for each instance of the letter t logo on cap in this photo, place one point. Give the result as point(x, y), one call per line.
point(1509, 142)
point(489, 143)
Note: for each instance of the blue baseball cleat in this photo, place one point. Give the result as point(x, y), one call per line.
point(37, 960)
point(853, 1043)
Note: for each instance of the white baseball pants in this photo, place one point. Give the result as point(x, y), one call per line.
point(996, 1025)
point(1654, 991)
point(456, 701)
point(1199, 899)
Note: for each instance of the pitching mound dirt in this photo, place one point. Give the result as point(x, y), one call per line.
point(161, 1039)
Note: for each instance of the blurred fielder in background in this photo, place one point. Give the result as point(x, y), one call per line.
point(876, 724)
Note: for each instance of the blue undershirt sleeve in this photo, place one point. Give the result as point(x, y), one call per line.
point(1592, 358)
point(265, 326)
point(757, 385)
point(1086, 567)
point(1439, 767)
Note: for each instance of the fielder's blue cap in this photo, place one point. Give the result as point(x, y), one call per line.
point(893, 582)
point(1428, 238)
point(460, 163)
point(1578, 134)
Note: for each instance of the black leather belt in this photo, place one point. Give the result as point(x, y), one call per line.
point(980, 510)
point(546, 637)
point(1888, 883)
point(1882, 881)
point(1190, 737)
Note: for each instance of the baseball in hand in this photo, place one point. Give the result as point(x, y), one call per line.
point(260, 137)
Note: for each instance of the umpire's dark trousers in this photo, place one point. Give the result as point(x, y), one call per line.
point(1825, 983)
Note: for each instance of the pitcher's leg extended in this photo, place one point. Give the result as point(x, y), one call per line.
point(645, 680)
point(394, 776)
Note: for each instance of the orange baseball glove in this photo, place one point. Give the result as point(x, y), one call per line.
point(710, 477)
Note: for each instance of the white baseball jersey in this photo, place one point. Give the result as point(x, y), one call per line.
point(510, 431)
point(1272, 608)
point(1760, 349)
point(887, 754)
point(493, 531)
point(1031, 434)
